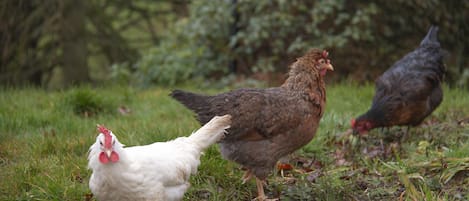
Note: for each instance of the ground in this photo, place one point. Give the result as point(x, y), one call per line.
point(45, 136)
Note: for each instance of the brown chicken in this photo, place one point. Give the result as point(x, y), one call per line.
point(268, 123)
point(409, 91)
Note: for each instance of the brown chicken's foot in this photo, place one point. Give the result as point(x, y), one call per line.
point(247, 176)
point(265, 199)
point(260, 192)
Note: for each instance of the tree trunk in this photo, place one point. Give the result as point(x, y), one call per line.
point(74, 55)
point(234, 28)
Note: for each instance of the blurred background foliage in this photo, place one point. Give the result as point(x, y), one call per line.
point(59, 43)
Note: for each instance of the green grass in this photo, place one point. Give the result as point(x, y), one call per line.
point(45, 136)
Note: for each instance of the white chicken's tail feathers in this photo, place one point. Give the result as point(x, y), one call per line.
point(211, 132)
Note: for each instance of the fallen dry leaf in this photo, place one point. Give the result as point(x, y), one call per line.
point(88, 196)
point(312, 176)
point(124, 110)
point(284, 166)
point(464, 122)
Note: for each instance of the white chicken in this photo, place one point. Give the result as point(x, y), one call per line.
point(156, 172)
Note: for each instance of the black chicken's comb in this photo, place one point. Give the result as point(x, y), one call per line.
point(325, 54)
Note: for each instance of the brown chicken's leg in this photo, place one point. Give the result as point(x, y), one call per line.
point(260, 191)
point(247, 176)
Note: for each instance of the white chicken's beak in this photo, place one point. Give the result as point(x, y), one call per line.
point(108, 153)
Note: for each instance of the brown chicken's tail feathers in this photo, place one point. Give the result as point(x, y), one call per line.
point(196, 102)
point(191, 100)
point(211, 132)
point(188, 99)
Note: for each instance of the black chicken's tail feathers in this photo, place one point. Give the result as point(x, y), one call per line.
point(195, 102)
point(431, 37)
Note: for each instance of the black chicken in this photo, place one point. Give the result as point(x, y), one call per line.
point(409, 91)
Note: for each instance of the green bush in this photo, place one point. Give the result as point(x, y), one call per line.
point(165, 65)
point(266, 36)
point(193, 48)
point(86, 102)
point(273, 33)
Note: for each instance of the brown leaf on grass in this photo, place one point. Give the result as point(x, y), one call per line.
point(289, 180)
point(362, 185)
point(460, 176)
point(49, 134)
point(373, 152)
point(340, 157)
point(463, 122)
point(301, 164)
point(284, 166)
point(77, 178)
point(431, 122)
point(203, 194)
point(87, 114)
point(123, 110)
point(391, 148)
point(380, 151)
point(342, 162)
point(312, 176)
point(349, 174)
point(344, 136)
point(308, 163)
point(88, 196)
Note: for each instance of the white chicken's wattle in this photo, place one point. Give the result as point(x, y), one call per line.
point(158, 171)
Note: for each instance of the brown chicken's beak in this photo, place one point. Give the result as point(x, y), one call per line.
point(329, 67)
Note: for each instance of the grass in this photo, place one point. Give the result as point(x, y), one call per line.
point(45, 136)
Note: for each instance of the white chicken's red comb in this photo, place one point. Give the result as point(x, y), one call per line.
point(107, 136)
point(103, 129)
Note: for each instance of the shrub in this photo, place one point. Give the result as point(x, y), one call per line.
point(266, 36)
point(86, 102)
point(193, 48)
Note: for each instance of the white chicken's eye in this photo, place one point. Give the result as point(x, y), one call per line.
point(113, 142)
point(101, 143)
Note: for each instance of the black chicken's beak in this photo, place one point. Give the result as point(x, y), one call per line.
point(354, 132)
